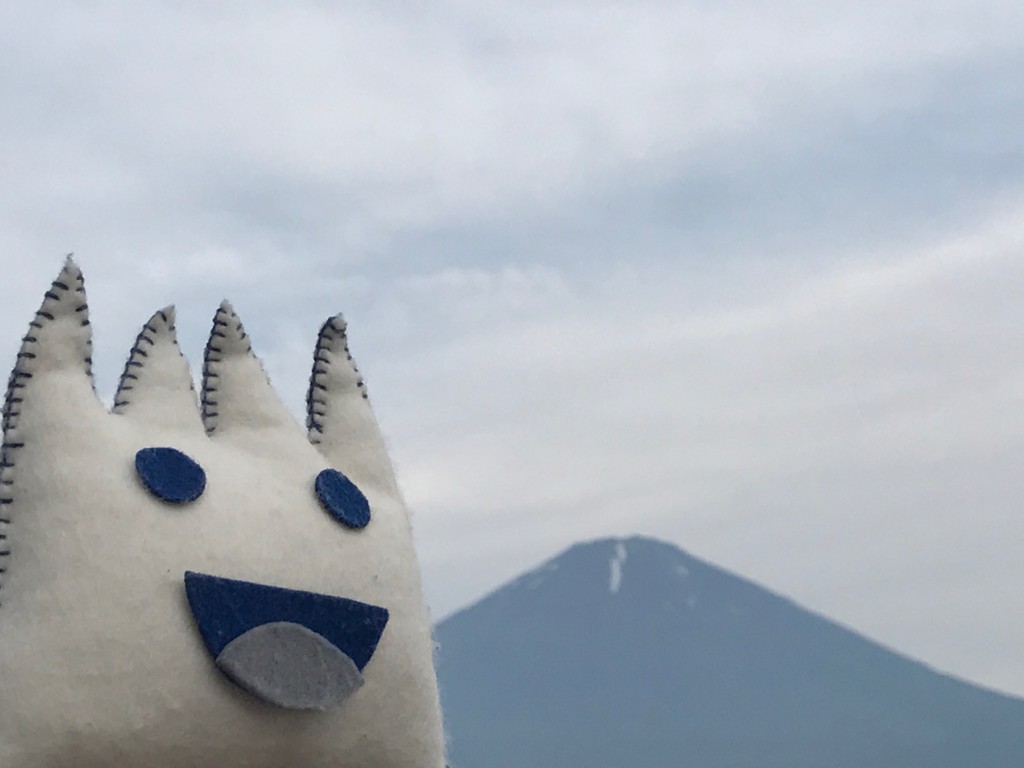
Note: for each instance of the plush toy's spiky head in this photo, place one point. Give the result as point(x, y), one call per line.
point(198, 583)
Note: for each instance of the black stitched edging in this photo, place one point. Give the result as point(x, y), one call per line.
point(121, 400)
point(148, 334)
point(11, 410)
point(213, 355)
point(208, 404)
point(84, 309)
point(316, 399)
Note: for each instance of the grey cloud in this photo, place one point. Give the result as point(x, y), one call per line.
point(853, 432)
point(741, 276)
point(402, 120)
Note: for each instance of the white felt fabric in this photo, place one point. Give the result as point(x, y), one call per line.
point(340, 423)
point(156, 388)
point(100, 660)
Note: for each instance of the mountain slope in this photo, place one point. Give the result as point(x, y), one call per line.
point(633, 653)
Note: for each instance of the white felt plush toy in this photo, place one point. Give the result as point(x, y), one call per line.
point(202, 583)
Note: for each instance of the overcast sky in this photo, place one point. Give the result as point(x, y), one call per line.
point(743, 276)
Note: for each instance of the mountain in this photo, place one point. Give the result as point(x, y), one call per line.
point(633, 653)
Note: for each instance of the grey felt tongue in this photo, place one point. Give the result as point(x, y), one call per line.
point(291, 666)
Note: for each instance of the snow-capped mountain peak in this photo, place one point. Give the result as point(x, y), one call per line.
point(680, 664)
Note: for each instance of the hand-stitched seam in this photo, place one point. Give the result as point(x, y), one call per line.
point(84, 309)
point(150, 335)
point(121, 397)
point(211, 356)
point(317, 394)
point(216, 350)
point(13, 401)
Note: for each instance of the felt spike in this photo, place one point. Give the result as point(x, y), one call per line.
point(58, 342)
point(56, 349)
point(339, 419)
point(236, 393)
point(156, 386)
point(59, 337)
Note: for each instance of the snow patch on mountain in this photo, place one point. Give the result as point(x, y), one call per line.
point(615, 568)
point(540, 576)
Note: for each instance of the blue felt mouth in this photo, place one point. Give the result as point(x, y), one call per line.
point(225, 609)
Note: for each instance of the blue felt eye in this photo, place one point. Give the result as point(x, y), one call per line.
point(342, 499)
point(170, 475)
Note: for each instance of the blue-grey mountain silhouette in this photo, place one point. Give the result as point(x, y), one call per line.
point(633, 653)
